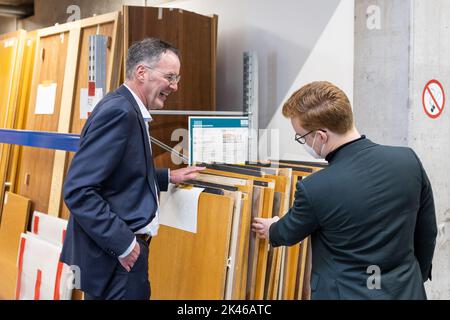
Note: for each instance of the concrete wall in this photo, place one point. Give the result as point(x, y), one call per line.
point(297, 41)
point(392, 66)
point(381, 70)
point(430, 59)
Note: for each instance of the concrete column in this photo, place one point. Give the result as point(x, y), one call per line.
point(393, 63)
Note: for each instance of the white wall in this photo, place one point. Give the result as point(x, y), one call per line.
point(297, 41)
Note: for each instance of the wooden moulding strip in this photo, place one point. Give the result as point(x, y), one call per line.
point(25, 92)
point(65, 116)
point(241, 264)
point(263, 247)
point(246, 225)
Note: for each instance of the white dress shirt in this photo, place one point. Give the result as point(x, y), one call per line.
point(153, 226)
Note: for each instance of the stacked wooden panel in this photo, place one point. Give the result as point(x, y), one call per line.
point(62, 59)
point(15, 218)
point(240, 265)
point(11, 58)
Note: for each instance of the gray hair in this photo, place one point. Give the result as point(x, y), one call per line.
point(149, 51)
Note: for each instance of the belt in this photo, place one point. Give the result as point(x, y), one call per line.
point(145, 237)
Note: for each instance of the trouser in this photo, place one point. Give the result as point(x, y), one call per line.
point(133, 285)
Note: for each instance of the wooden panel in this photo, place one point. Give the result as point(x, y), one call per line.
point(267, 212)
point(14, 221)
point(297, 266)
point(36, 164)
point(22, 105)
point(109, 26)
point(242, 255)
point(282, 177)
point(257, 209)
point(195, 36)
point(184, 265)
point(234, 268)
point(263, 247)
point(62, 58)
point(11, 57)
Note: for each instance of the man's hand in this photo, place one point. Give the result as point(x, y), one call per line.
point(261, 226)
point(183, 174)
point(129, 261)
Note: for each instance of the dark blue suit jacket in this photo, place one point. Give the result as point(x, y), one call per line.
point(372, 206)
point(109, 189)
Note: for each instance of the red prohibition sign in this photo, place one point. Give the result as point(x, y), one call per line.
point(433, 99)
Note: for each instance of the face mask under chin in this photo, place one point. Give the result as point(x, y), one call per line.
point(311, 150)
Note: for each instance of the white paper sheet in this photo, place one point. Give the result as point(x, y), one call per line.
point(45, 99)
point(87, 104)
point(179, 207)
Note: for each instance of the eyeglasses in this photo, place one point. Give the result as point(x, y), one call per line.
point(171, 77)
point(301, 139)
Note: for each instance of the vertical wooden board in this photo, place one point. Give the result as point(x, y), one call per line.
point(81, 82)
point(65, 115)
point(40, 172)
point(306, 268)
point(37, 163)
point(290, 276)
point(22, 105)
point(242, 255)
point(271, 273)
point(257, 207)
point(282, 177)
point(11, 57)
point(107, 28)
point(263, 247)
point(234, 268)
point(195, 36)
point(296, 264)
point(239, 280)
point(267, 212)
point(242, 250)
point(191, 33)
point(14, 222)
point(8, 48)
point(184, 265)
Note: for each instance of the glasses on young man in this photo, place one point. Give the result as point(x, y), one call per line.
point(171, 77)
point(302, 139)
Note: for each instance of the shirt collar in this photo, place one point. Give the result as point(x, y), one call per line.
point(145, 114)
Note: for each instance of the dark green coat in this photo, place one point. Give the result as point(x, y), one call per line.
point(373, 206)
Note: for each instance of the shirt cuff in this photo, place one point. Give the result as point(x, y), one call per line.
point(130, 248)
point(168, 175)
